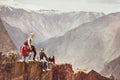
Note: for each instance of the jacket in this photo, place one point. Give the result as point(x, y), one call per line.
point(24, 50)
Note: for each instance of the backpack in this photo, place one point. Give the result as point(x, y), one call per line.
point(24, 50)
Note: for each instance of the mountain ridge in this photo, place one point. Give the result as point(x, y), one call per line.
point(44, 25)
point(112, 68)
point(6, 43)
point(94, 42)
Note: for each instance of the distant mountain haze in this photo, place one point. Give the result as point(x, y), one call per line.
point(44, 23)
point(90, 45)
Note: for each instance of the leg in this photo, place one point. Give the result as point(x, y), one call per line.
point(43, 64)
point(46, 64)
point(34, 50)
point(24, 58)
point(30, 54)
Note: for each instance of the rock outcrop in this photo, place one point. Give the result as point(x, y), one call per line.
point(92, 75)
point(11, 69)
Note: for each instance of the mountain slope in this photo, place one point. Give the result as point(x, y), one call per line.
point(112, 68)
point(45, 23)
point(5, 42)
point(17, 36)
point(89, 45)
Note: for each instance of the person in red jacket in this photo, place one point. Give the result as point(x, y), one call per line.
point(24, 51)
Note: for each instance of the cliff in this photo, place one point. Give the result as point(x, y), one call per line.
point(11, 69)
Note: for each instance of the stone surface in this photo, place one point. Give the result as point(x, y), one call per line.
point(11, 69)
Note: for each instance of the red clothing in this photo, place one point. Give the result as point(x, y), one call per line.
point(24, 50)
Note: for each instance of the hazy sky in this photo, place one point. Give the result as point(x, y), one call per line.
point(106, 6)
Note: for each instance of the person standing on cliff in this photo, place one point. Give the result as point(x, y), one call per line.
point(24, 51)
point(30, 44)
point(43, 59)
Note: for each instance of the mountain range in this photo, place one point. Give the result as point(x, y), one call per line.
point(44, 23)
point(85, 39)
point(90, 45)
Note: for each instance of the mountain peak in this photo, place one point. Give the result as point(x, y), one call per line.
point(93, 72)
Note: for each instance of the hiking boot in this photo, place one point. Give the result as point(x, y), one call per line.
point(43, 70)
point(20, 60)
point(30, 60)
point(48, 69)
point(34, 60)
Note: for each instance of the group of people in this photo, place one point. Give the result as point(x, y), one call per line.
point(28, 48)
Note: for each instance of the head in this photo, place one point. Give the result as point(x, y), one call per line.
point(25, 44)
point(51, 56)
point(41, 49)
point(31, 34)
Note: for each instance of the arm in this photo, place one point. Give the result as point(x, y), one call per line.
point(53, 60)
point(45, 57)
point(29, 43)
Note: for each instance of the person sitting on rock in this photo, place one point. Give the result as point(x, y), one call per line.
point(43, 60)
point(29, 43)
point(51, 59)
point(24, 50)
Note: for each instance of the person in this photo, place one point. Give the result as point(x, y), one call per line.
point(30, 44)
point(43, 60)
point(51, 59)
point(24, 50)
